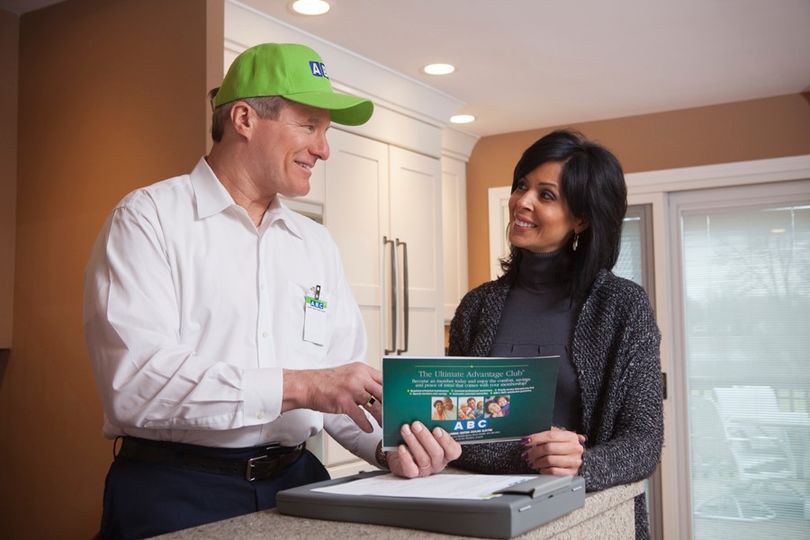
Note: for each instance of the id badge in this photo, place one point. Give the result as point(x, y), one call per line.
point(314, 320)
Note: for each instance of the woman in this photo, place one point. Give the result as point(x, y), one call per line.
point(438, 410)
point(558, 296)
point(493, 409)
point(503, 402)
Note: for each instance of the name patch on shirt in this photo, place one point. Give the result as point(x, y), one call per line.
point(315, 320)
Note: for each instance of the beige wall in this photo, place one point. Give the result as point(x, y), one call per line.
point(757, 129)
point(9, 39)
point(112, 97)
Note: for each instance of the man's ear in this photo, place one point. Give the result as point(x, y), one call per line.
point(580, 224)
point(243, 119)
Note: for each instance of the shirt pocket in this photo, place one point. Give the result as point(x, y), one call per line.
point(305, 354)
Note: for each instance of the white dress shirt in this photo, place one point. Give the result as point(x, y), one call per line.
point(191, 313)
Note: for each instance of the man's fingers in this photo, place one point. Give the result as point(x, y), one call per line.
point(376, 375)
point(375, 389)
point(374, 406)
point(424, 452)
point(415, 448)
point(434, 451)
point(359, 418)
point(406, 465)
point(450, 447)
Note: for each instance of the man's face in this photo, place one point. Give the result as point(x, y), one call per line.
point(284, 150)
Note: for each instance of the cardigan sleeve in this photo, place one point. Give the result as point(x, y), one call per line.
point(462, 325)
point(634, 449)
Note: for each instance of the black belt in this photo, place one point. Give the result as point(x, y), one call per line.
point(258, 463)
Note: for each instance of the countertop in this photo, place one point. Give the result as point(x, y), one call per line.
point(606, 514)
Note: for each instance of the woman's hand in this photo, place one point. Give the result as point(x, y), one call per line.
point(424, 452)
point(556, 451)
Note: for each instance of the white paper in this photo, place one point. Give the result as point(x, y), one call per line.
point(438, 486)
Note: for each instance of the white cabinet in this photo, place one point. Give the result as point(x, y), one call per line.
point(416, 227)
point(356, 214)
point(454, 232)
point(382, 205)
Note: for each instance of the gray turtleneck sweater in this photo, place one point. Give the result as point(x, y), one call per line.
point(537, 320)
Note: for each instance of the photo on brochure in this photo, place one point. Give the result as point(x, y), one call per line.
point(474, 399)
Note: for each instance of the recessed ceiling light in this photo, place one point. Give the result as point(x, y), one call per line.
point(439, 69)
point(310, 7)
point(462, 119)
point(778, 231)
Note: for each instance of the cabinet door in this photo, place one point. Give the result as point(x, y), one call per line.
point(415, 202)
point(355, 211)
point(356, 214)
point(454, 227)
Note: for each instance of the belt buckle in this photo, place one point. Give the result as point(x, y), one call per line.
point(251, 464)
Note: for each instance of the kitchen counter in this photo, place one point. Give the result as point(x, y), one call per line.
point(607, 514)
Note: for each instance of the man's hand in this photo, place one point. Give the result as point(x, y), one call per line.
point(424, 453)
point(556, 451)
point(342, 390)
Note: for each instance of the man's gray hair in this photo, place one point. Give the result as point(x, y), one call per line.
point(266, 107)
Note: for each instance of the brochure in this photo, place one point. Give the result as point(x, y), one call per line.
point(474, 399)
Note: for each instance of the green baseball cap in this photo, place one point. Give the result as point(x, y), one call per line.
point(294, 72)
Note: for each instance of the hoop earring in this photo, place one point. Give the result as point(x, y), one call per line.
point(576, 242)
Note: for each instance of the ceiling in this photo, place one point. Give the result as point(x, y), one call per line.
point(524, 64)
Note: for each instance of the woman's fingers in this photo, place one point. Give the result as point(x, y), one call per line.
point(554, 452)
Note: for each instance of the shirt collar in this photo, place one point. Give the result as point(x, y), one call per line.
point(210, 195)
point(212, 198)
point(278, 211)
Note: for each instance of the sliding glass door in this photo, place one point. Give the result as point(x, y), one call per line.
point(743, 287)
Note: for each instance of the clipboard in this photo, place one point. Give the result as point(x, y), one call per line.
point(520, 508)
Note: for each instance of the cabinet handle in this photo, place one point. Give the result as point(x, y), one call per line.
point(405, 301)
point(393, 294)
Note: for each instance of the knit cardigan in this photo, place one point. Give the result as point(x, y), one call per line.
point(614, 347)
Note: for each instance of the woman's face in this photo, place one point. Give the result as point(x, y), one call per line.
point(493, 408)
point(502, 401)
point(439, 406)
point(540, 220)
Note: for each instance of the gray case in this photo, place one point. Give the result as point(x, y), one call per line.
point(521, 508)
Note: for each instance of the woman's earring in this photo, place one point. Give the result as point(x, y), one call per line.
point(576, 241)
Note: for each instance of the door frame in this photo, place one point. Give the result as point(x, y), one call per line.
point(655, 187)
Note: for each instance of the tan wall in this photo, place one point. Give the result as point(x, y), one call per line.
point(9, 38)
point(757, 129)
point(112, 96)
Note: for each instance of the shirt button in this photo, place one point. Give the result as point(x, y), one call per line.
point(260, 415)
point(264, 334)
point(261, 286)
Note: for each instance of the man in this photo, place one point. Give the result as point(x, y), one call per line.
point(221, 328)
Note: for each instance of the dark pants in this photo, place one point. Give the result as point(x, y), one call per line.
point(146, 499)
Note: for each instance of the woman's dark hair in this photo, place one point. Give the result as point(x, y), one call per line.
point(592, 185)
